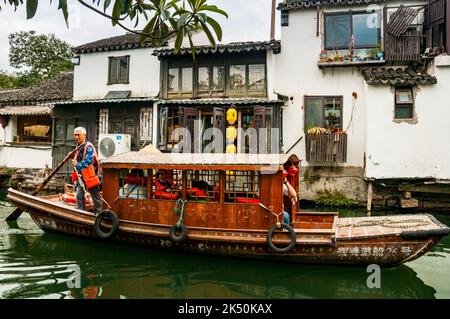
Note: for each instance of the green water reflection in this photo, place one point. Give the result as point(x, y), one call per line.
point(34, 264)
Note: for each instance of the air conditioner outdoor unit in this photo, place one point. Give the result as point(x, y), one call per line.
point(113, 144)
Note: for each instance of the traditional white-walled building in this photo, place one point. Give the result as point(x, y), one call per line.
point(26, 122)
point(116, 85)
point(360, 70)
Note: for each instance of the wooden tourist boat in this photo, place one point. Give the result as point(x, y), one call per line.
point(230, 205)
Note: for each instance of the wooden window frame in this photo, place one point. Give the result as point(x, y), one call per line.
point(351, 14)
point(117, 72)
point(35, 120)
point(171, 112)
point(180, 93)
point(255, 180)
point(323, 97)
point(211, 62)
point(404, 105)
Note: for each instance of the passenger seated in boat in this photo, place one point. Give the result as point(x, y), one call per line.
point(199, 190)
point(164, 185)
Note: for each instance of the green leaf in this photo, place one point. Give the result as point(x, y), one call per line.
point(63, 7)
point(149, 27)
point(203, 17)
point(31, 8)
point(182, 20)
point(216, 27)
point(179, 40)
point(191, 43)
point(115, 12)
point(213, 9)
point(106, 5)
point(208, 34)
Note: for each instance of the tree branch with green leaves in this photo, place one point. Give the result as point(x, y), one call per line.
point(162, 19)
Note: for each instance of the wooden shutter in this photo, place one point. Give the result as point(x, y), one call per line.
point(188, 115)
point(401, 20)
point(163, 117)
point(219, 123)
point(260, 123)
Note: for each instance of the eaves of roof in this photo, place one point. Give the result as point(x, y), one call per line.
point(305, 4)
point(235, 47)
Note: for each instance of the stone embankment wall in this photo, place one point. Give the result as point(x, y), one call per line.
point(28, 179)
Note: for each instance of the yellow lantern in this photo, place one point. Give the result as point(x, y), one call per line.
point(231, 133)
point(231, 115)
point(231, 149)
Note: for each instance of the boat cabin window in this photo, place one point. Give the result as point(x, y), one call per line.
point(203, 186)
point(167, 184)
point(133, 183)
point(242, 187)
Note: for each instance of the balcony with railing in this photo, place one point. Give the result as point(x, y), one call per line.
point(329, 148)
point(403, 33)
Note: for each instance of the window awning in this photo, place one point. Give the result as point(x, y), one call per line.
point(27, 110)
point(117, 95)
point(223, 101)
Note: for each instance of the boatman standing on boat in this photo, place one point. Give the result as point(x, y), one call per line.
point(87, 171)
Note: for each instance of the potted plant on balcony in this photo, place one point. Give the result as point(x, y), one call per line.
point(316, 130)
point(323, 56)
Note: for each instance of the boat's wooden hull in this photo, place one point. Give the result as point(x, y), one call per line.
point(381, 249)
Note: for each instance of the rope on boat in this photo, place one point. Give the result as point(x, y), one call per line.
point(181, 211)
point(389, 223)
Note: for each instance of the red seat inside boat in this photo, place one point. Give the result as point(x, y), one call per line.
point(158, 194)
point(244, 200)
point(196, 192)
point(136, 179)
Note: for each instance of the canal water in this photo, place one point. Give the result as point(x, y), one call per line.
point(34, 264)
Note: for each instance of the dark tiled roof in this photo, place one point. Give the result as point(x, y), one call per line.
point(380, 76)
point(221, 101)
point(58, 88)
point(304, 4)
point(121, 42)
point(223, 48)
point(102, 101)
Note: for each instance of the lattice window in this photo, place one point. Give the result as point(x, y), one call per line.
point(240, 186)
point(103, 121)
point(203, 186)
point(133, 184)
point(167, 184)
point(145, 124)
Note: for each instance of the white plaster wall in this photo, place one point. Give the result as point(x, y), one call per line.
point(22, 157)
point(271, 92)
point(29, 156)
point(91, 76)
point(6, 134)
point(404, 150)
point(297, 75)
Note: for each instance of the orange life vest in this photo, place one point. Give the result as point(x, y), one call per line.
point(89, 175)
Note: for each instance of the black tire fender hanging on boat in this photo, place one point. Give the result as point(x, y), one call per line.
point(292, 237)
point(178, 237)
point(108, 214)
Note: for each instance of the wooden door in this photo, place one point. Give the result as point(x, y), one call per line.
point(219, 123)
point(188, 116)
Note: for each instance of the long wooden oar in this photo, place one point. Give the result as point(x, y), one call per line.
point(17, 212)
